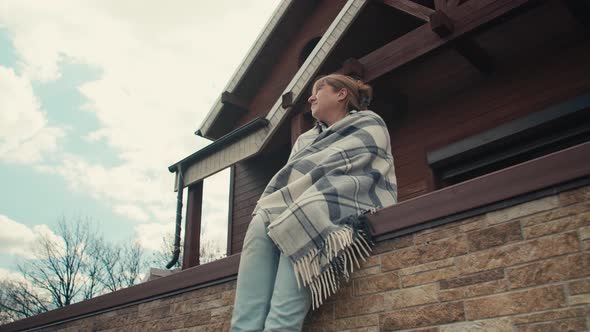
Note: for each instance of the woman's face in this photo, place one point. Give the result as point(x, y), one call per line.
point(327, 105)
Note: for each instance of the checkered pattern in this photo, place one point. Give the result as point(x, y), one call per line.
point(312, 206)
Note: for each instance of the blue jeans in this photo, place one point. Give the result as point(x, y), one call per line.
point(267, 296)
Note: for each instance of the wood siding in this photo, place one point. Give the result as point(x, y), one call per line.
point(250, 178)
point(258, 140)
point(520, 88)
point(284, 69)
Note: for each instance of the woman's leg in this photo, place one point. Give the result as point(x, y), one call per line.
point(256, 279)
point(289, 304)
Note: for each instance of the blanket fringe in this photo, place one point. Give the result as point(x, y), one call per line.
point(344, 248)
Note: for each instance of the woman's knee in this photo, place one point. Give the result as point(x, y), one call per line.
point(256, 235)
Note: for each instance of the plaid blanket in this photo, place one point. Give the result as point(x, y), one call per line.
point(314, 206)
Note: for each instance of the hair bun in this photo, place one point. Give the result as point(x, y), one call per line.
point(365, 93)
point(359, 92)
point(365, 100)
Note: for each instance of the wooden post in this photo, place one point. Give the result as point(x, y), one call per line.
point(230, 210)
point(299, 125)
point(192, 229)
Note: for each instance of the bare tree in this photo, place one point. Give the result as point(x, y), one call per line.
point(19, 300)
point(73, 264)
point(122, 265)
point(94, 269)
point(208, 252)
point(60, 264)
point(132, 263)
point(162, 256)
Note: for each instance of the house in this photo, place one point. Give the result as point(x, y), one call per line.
point(487, 103)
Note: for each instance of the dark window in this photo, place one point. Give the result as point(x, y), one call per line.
point(537, 134)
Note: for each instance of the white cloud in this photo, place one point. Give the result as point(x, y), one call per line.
point(95, 136)
point(18, 239)
point(24, 132)
point(215, 208)
point(161, 66)
point(132, 211)
point(132, 191)
point(150, 235)
point(10, 275)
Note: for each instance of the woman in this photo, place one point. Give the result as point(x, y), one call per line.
point(308, 230)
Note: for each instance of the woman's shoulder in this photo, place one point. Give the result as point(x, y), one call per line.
point(368, 114)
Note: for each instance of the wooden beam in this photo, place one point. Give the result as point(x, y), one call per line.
point(441, 24)
point(229, 98)
point(409, 7)
point(422, 40)
point(353, 67)
point(476, 55)
point(192, 229)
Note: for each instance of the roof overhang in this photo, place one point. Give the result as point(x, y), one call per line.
point(272, 40)
point(220, 143)
point(255, 140)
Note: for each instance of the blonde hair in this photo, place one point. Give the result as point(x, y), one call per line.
point(359, 93)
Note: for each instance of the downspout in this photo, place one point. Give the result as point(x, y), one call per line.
point(176, 252)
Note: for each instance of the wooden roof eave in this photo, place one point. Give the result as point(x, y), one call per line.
point(218, 144)
point(254, 142)
point(273, 23)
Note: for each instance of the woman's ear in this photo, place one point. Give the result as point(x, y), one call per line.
point(342, 94)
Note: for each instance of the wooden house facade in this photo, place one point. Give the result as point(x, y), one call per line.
point(487, 103)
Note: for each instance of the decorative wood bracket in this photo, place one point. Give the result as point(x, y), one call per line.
point(441, 24)
point(287, 100)
point(229, 98)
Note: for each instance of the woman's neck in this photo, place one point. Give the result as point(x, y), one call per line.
point(337, 116)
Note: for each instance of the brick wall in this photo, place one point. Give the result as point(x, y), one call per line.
point(524, 268)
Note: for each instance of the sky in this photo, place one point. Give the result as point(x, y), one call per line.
point(97, 99)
